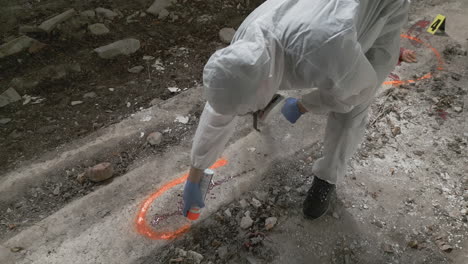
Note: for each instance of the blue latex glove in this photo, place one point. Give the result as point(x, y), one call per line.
point(291, 110)
point(192, 196)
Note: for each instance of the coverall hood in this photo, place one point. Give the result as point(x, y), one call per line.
point(234, 76)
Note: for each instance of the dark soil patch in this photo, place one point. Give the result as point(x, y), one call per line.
point(183, 46)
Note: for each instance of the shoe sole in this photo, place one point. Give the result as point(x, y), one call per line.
point(332, 201)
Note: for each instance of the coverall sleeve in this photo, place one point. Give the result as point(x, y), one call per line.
point(349, 77)
point(213, 132)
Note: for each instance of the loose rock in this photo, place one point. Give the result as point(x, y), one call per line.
point(4, 121)
point(158, 6)
point(195, 256)
point(100, 172)
point(227, 213)
point(163, 14)
point(90, 95)
point(222, 252)
point(98, 29)
point(270, 222)
point(81, 178)
point(9, 96)
point(121, 47)
point(227, 34)
point(413, 244)
point(88, 13)
point(15, 46)
point(154, 138)
point(243, 203)
point(73, 103)
point(107, 13)
point(50, 24)
point(256, 203)
point(136, 69)
point(246, 222)
point(457, 109)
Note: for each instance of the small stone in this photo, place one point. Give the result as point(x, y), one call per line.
point(154, 138)
point(180, 252)
point(388, 248)
point(227, 34)
point(227, 213)
point(73, 103)
point(413, 244)
point(457, 109)
point(243, 203)
point(182, 119)
point(396, 131)
point(418, 152)
point(446, 248)
point(111, 89)
point(107, 13)
point(464, 212)
point(195, 256)
point(256, 203)
point(90, 95)
point(4, 121)
point(270, 222)
point(98, 29)
point(88, 13)
point(81, 178)
point(136, 69)
point(9, 210)
point(246, 222)
point(16, 249)
point(50, 24)
point(365, 206)
point(173, 89)
point(9, 96)
point(158, 6)
point(287, 188)
point(163, 14)
point(56, 190)
point(335, 215)
point(100, 172)
point(121, 47)
point(222, 252)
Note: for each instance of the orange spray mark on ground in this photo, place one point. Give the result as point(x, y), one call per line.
point(142, 226)
point(440, 63)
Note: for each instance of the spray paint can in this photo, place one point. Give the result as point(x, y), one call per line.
point(194, 212)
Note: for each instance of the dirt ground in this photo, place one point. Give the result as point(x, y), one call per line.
point(403, 200)
point(66, 68)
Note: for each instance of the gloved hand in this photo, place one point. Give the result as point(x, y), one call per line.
point(291, 110)
point(192, 196)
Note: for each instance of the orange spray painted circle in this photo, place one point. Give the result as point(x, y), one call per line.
point(142, 226)
point(440, 62)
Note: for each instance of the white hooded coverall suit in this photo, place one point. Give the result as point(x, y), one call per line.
point(343, 49)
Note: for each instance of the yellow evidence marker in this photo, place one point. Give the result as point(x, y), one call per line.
point(437, 24)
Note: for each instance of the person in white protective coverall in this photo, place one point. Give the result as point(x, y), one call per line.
point(343, 49)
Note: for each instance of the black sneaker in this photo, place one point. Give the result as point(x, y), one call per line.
point(318, 198)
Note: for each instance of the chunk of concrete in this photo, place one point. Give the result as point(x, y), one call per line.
point(107, 13)
point(50, 24)
point(227, 34)
point(15, 46)
point(9, 96)
point(121, 47)
point(158, 6)
point(98, 29)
